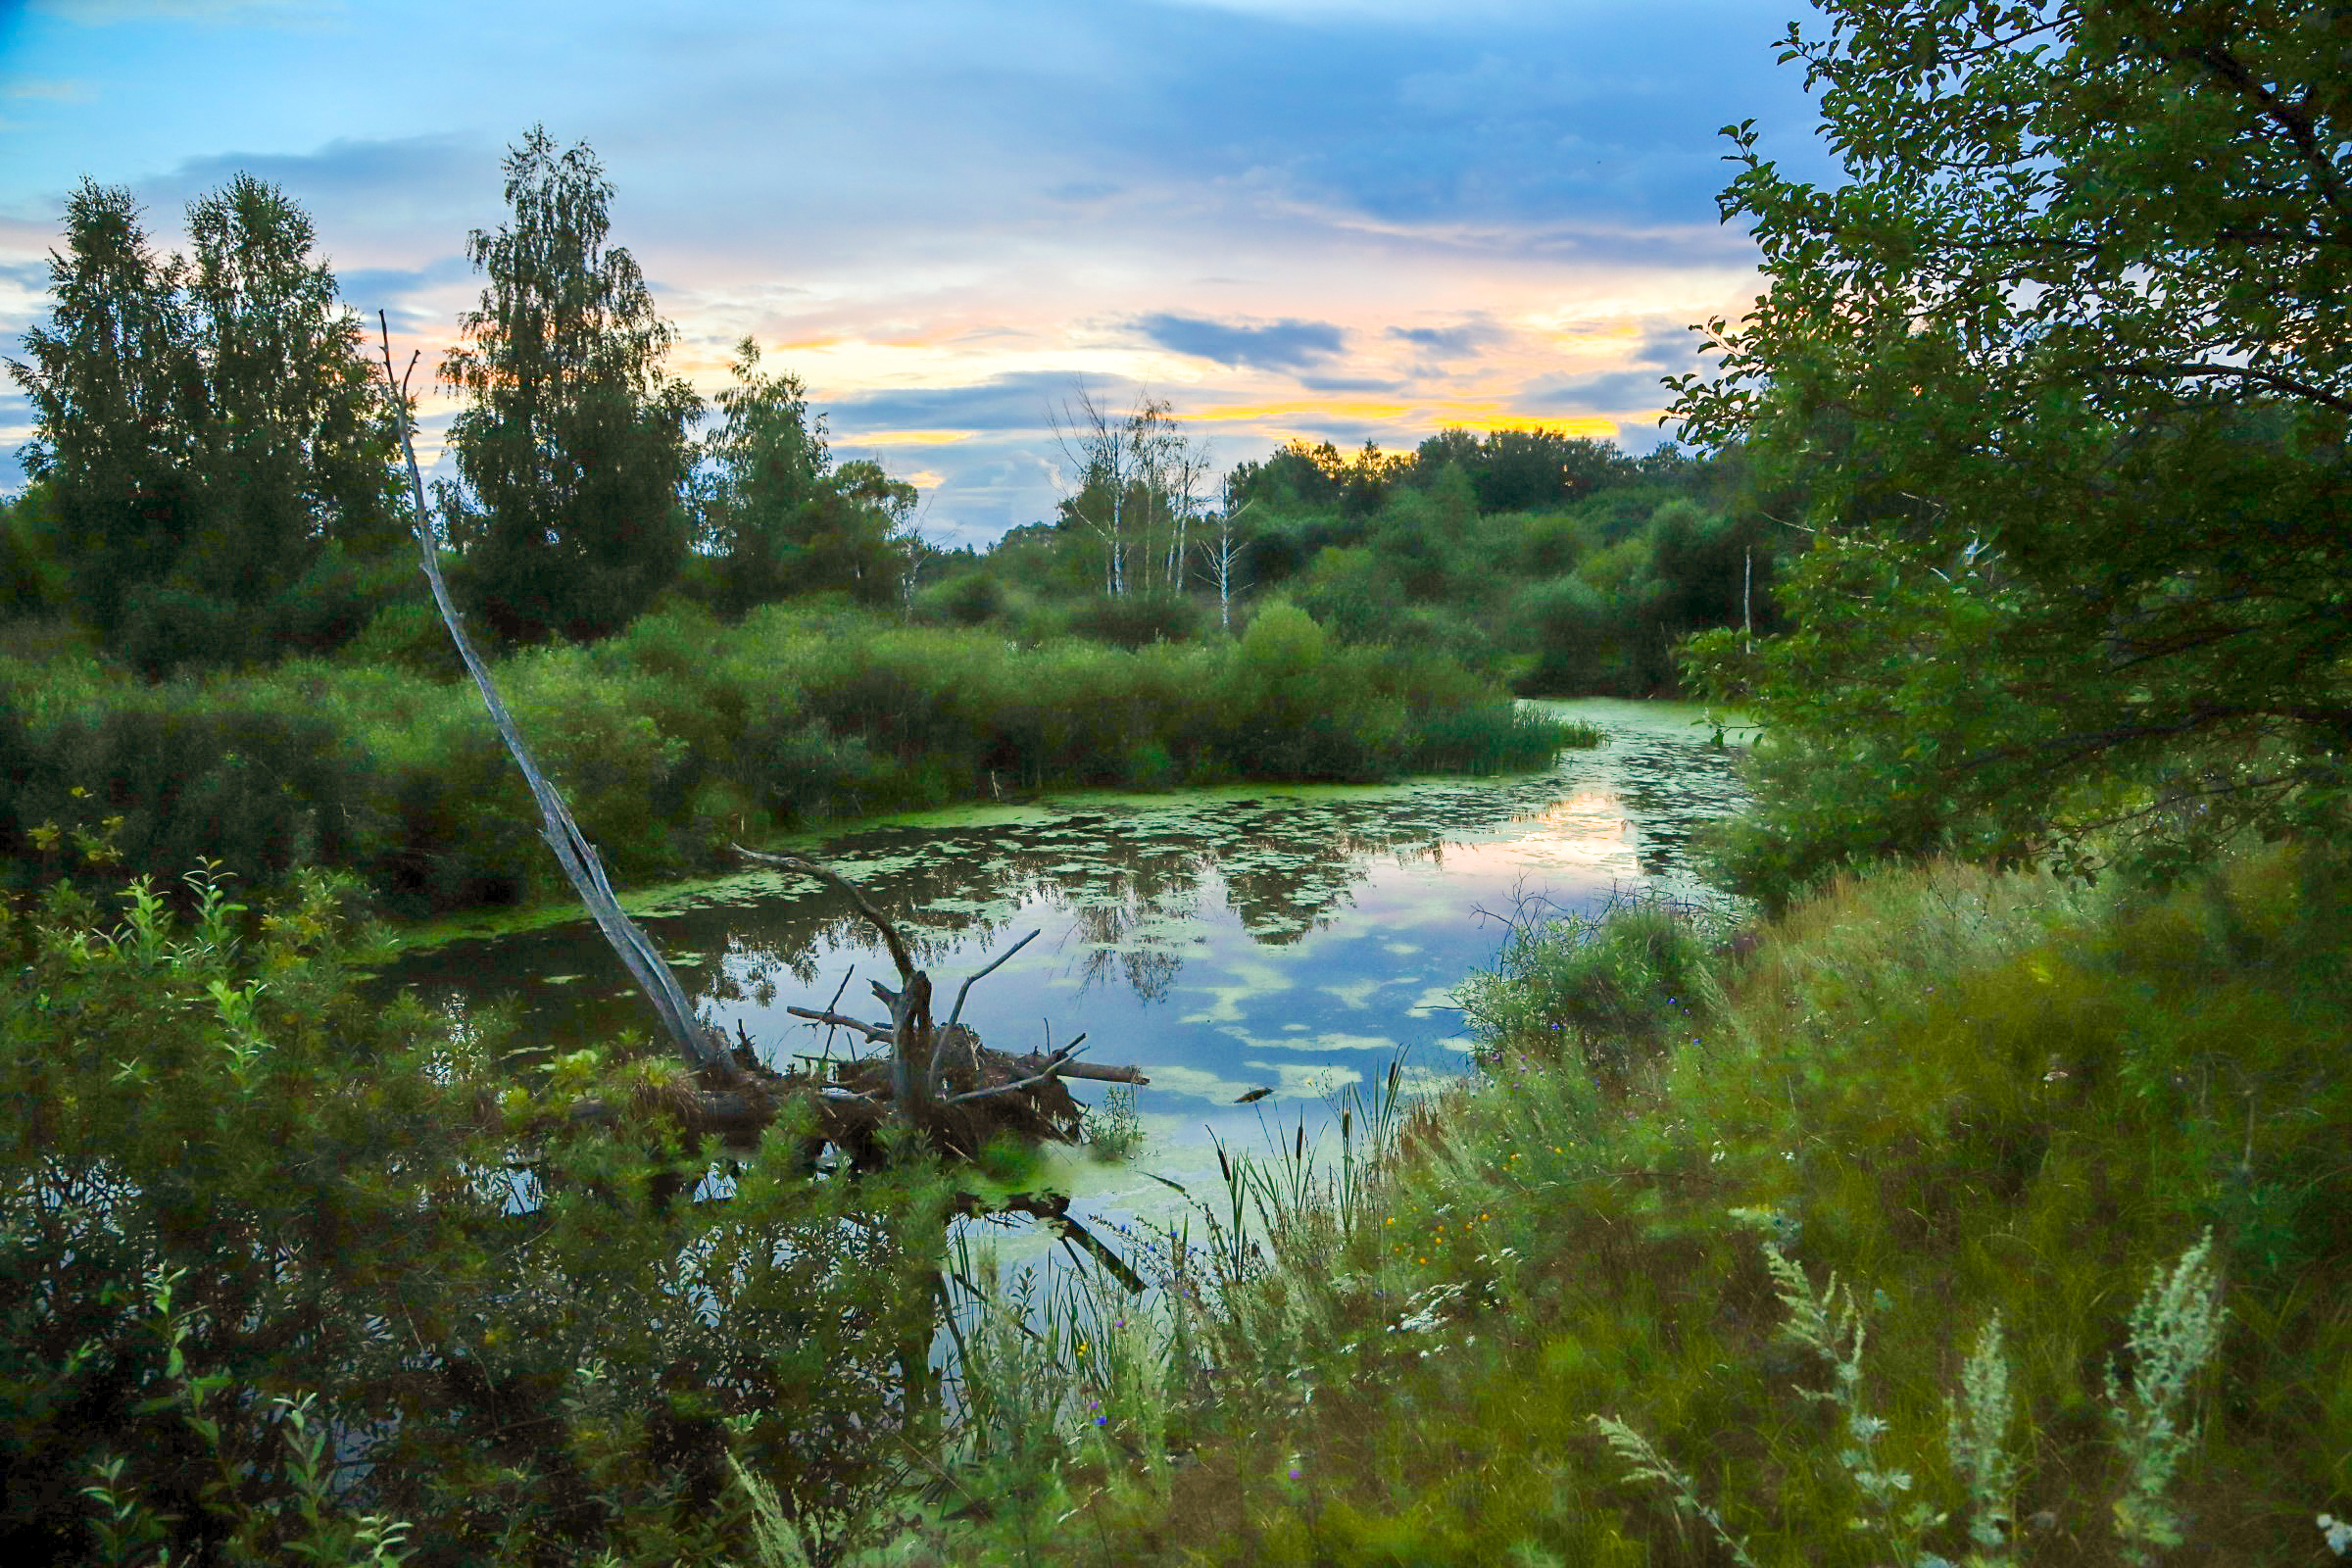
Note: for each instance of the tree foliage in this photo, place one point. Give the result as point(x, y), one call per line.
point(573, 448)
point(2058, 375)
point(204, 426)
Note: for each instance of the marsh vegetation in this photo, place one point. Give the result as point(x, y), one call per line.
point(1974, 1192)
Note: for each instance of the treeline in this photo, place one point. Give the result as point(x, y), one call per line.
point(216, 484)
point(216, 476)
point(1558, 564)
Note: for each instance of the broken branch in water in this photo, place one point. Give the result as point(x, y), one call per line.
point(956, 1011)
point(840, 1020)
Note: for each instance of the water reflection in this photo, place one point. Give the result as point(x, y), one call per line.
point(1291, 939)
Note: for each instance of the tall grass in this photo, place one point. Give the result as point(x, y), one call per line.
point(680, 734)
point(1972, 1118)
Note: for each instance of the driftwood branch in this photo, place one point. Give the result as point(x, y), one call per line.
point(842, 1020)
point(835, 880)
point(578, 857)
point(1053, 1065)
point(1102, 1075)
point(956, 1011)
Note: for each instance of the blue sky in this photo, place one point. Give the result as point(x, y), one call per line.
point(1334, 219)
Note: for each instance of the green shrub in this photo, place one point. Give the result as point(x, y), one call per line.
point(797, 715)
point(1136, 620)
point(971, 598)
point(1997, 1099)
point(1606, 990)
point(251, 1220)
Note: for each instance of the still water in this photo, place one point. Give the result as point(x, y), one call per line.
point(1295, 938)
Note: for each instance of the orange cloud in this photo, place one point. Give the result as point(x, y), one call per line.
point(1335, 409)
point(901, 438)
point(1477, 415)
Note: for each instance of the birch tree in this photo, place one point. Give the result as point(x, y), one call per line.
point(1102, 447)
point(1224, 548)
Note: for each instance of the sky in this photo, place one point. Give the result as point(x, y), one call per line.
point(1336, 219)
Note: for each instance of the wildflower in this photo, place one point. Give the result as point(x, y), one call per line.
point(2338, 1533)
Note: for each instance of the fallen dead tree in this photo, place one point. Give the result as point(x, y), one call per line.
point(956, 1092)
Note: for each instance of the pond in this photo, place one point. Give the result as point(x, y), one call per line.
point(1291, 939)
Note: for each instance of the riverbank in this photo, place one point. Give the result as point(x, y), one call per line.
point(681, 734)
point(1951, 1214)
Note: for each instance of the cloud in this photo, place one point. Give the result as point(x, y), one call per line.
point(43, 92)
point(16, 429)
point(1458, 341)
point(901, 438)
point(409, 183)
point(1283, 345)
point(1617, 390)
point(1672, 347)
point(371, 287)
point(1026, 401)
point(1350, 383)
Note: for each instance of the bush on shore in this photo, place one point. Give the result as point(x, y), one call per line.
point(1952, 1216)
point(679, 734)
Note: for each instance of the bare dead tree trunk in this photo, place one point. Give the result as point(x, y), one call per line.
point(577, 857)
point(1224, 550)
point(1748, 588)
point(1187, 465)
point(1103, 451)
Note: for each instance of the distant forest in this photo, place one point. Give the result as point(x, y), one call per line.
point(216, 484)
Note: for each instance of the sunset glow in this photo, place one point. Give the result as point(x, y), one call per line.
point(1347, 222)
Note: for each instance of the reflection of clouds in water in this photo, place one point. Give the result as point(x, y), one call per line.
point(1328, 1041)
point(1615, 857)
point(1402, 950)
point(1249, 980)
point(1306, 1079)
point(1437, 999)
point(1358, 993)
point(1194, 1082)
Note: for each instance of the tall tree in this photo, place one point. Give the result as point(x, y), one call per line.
point(862, 525)
point(294, 442)
point(573, 448)
point(204, 424)
point(767, 467)
point(2059, 367)
point(114, 390)
point(1102, 447)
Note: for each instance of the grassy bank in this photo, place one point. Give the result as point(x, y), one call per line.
point(1951, 1217)
point(681, 733)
